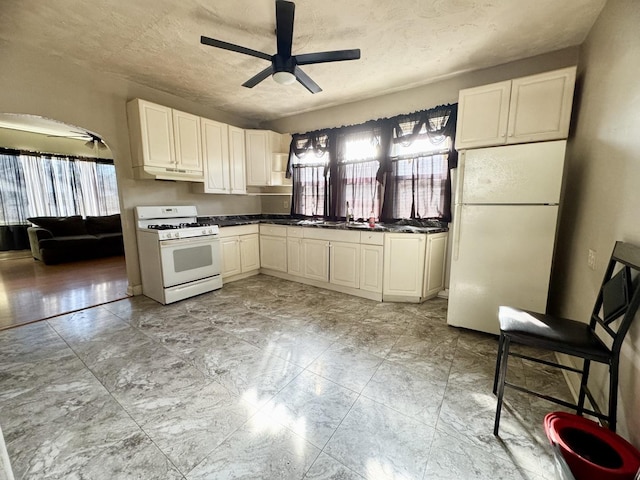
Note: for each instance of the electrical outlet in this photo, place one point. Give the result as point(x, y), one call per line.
point(285, 204)
point(591, 259)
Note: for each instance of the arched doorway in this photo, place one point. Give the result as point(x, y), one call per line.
point(54, 171)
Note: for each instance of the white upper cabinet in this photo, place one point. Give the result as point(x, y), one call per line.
point(266, 159)
point(528, 109)
point(483, 114)
point(187, 139)
point(541, 106)
point(223, 155)
point(165, 143)
point(237, 160)
point(151, 131)
point(215, 152)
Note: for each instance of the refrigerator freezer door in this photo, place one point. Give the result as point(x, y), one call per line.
point(515, 174)
point(501, 256)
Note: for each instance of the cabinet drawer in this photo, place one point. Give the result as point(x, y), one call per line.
point(294, 232)
point(238, 230)
point(372, 238)
point(273, 230)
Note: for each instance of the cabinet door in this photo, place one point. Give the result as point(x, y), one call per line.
point(435, 263)
point(294, 256)
point(250, 252)
point(541, 106)
point(483, 114)
point(237, 160)
point(403, 264)
point(258, 157)
point(215, 150)
point(156, 123)
point(230, 249)
point(186, 130)
point(344, 264)
point(273, 252)
point(371, 267)
point(316, 259)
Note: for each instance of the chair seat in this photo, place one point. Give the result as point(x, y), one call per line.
point(552, 333)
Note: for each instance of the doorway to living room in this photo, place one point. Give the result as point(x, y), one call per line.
point(61, 247)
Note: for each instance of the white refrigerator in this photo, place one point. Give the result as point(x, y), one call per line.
point(504, 230)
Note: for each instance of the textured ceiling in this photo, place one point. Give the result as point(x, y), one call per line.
point(404, 43)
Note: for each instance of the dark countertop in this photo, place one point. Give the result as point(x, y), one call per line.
point(402, 226)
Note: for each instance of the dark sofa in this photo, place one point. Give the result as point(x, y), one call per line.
point(65, 239)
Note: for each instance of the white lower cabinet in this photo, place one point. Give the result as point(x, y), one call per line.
point(249, 252)
point(344, 264)
point(400, 267)
point(294, 256)
point(435, 264)
point(240, 251)
point(230, 247)
point(413, 266)
point(273, 247)
point(404, 255)
point(315, 254)
point(371, 262)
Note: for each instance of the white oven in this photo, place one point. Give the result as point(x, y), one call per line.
point(179, 257)
point(189, 259)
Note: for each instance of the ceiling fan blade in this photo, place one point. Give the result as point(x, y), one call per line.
point(256, 79)
point(284, 26)
point(234, 48)
point(306, 81)
point(324, 57)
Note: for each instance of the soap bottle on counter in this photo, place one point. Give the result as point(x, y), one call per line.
point(372, 219)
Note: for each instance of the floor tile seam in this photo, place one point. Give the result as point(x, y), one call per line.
point(411, 417)
point(470, 443)
point(336, 460)
point(360, 350)
point(473, 446)
point(124, 410)
point(446, 387)
point(257, 412)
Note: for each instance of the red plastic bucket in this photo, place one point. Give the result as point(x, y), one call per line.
point(591, 451)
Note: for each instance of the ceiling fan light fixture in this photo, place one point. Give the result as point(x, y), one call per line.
point(284, 78)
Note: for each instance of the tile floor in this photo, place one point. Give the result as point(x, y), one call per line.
point(265, 379)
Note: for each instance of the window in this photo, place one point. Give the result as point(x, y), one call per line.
point(309, 160)
point(44, 185)
point(358, 155)
point(420, 171)
point(398, 168)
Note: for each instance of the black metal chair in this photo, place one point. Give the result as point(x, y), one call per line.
point(598, 341)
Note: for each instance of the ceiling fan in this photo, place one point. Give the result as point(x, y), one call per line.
point(92, 141)
point(284, 66)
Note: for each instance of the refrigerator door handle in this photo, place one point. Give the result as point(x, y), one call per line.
point(458, 226)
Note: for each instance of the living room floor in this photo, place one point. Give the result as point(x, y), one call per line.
point(266, 379)
point(31, 290)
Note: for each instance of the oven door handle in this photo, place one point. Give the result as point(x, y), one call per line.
point(188, 241)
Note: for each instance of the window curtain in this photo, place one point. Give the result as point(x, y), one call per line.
point(359, 151)
point(308, 167)
point(417, 169)
point(45, 185)
point(13, 191)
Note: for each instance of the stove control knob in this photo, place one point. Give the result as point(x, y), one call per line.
point(210, 230)
point(176, 235)
point(204, 232)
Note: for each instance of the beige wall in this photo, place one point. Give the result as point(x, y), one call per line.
point(602, 195)
point(55, 88)
point(427, 96)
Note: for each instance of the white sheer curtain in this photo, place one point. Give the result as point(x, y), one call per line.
point(56, 186)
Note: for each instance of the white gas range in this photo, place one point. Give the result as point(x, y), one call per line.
point(179, 257)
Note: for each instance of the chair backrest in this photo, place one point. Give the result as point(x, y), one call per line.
point(619, 296)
